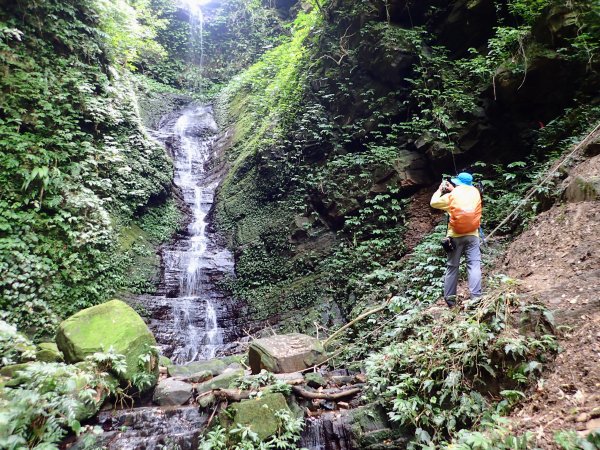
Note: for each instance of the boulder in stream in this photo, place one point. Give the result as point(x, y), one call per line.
point(112, 324)
point(259, 414)
point(215, 366)
point(222, 381)
point(285, 353)
point(171, 392)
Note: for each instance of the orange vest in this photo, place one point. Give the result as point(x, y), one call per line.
point(465, 209)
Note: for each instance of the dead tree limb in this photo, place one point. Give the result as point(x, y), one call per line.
point(323, 396)
point(358, 319)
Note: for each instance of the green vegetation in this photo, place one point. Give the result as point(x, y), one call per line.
point(44, 400)
point(243, 437)
point(339, 112)
point(440, 375)
point(79, 169)
point(317, 197)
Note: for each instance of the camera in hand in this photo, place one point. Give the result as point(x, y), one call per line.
point(446, 187)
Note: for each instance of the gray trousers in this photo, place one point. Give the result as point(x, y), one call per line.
point(469, 245)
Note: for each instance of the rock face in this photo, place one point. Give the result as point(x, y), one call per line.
point(111, 324)
point(259, 414)
point(170, 392)
point(285, 353)
point(151, 428)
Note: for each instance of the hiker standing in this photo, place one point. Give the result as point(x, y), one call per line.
point(463, 203)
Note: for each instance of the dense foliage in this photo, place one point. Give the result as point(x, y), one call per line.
point(335, 128)
point(380, 100)
point(242, 437)
point(77, 166)
point(204, 52)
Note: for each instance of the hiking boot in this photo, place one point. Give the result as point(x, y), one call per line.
point(450, 301)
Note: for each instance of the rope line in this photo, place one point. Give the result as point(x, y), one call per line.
point(584, 142)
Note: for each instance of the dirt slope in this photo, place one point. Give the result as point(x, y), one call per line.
point(558, 263)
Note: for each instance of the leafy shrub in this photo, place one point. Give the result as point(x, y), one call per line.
point(44, 400)
point(76, 162)
point(14, 347)
point(437, 379)
point(243, 438)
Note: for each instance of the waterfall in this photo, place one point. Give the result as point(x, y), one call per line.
point(194, 132)
point(196, 21)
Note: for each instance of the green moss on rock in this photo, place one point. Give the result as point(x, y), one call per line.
point(112, 324)
point(48, 352)
point(215, 366)
point(259, 414)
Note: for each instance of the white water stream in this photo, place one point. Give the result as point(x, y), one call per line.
point(195, 132)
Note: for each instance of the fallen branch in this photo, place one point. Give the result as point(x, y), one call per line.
point(234, 395)
point(323, 396)
point(327, 341)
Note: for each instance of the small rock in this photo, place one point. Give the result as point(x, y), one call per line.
point(171, 392)
point(341, 380)
point(583, 417)
point(289, 376)
point(10, 371)
point(315, 380)
point(343, 405)
point(48, 352)
point(593, 424)
point(199, 377)
point(164, 361)
point(222, 381)
point(204, 401)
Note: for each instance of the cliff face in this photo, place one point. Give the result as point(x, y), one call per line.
point(370, 103)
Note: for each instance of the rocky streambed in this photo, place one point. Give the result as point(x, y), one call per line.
point(228, 392)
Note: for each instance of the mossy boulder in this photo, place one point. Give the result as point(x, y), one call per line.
point(258, 414)
point(222, 381)
point(583, 189)
point(215, 366)
point(163, 361)
point(315, 380)
point(10, 371)
point(112, 324)
point(48, 352)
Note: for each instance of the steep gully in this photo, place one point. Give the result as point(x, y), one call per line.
point(191, 318)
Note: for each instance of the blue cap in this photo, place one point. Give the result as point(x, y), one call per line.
point(463, 178)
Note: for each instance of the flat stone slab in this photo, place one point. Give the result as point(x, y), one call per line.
point(285, 353)
point(215, 366)
point(222, 381)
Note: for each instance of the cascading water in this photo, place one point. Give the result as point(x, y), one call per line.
point(186, 318)
point(190, 317)
point(195, 130)
point(196, 22)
